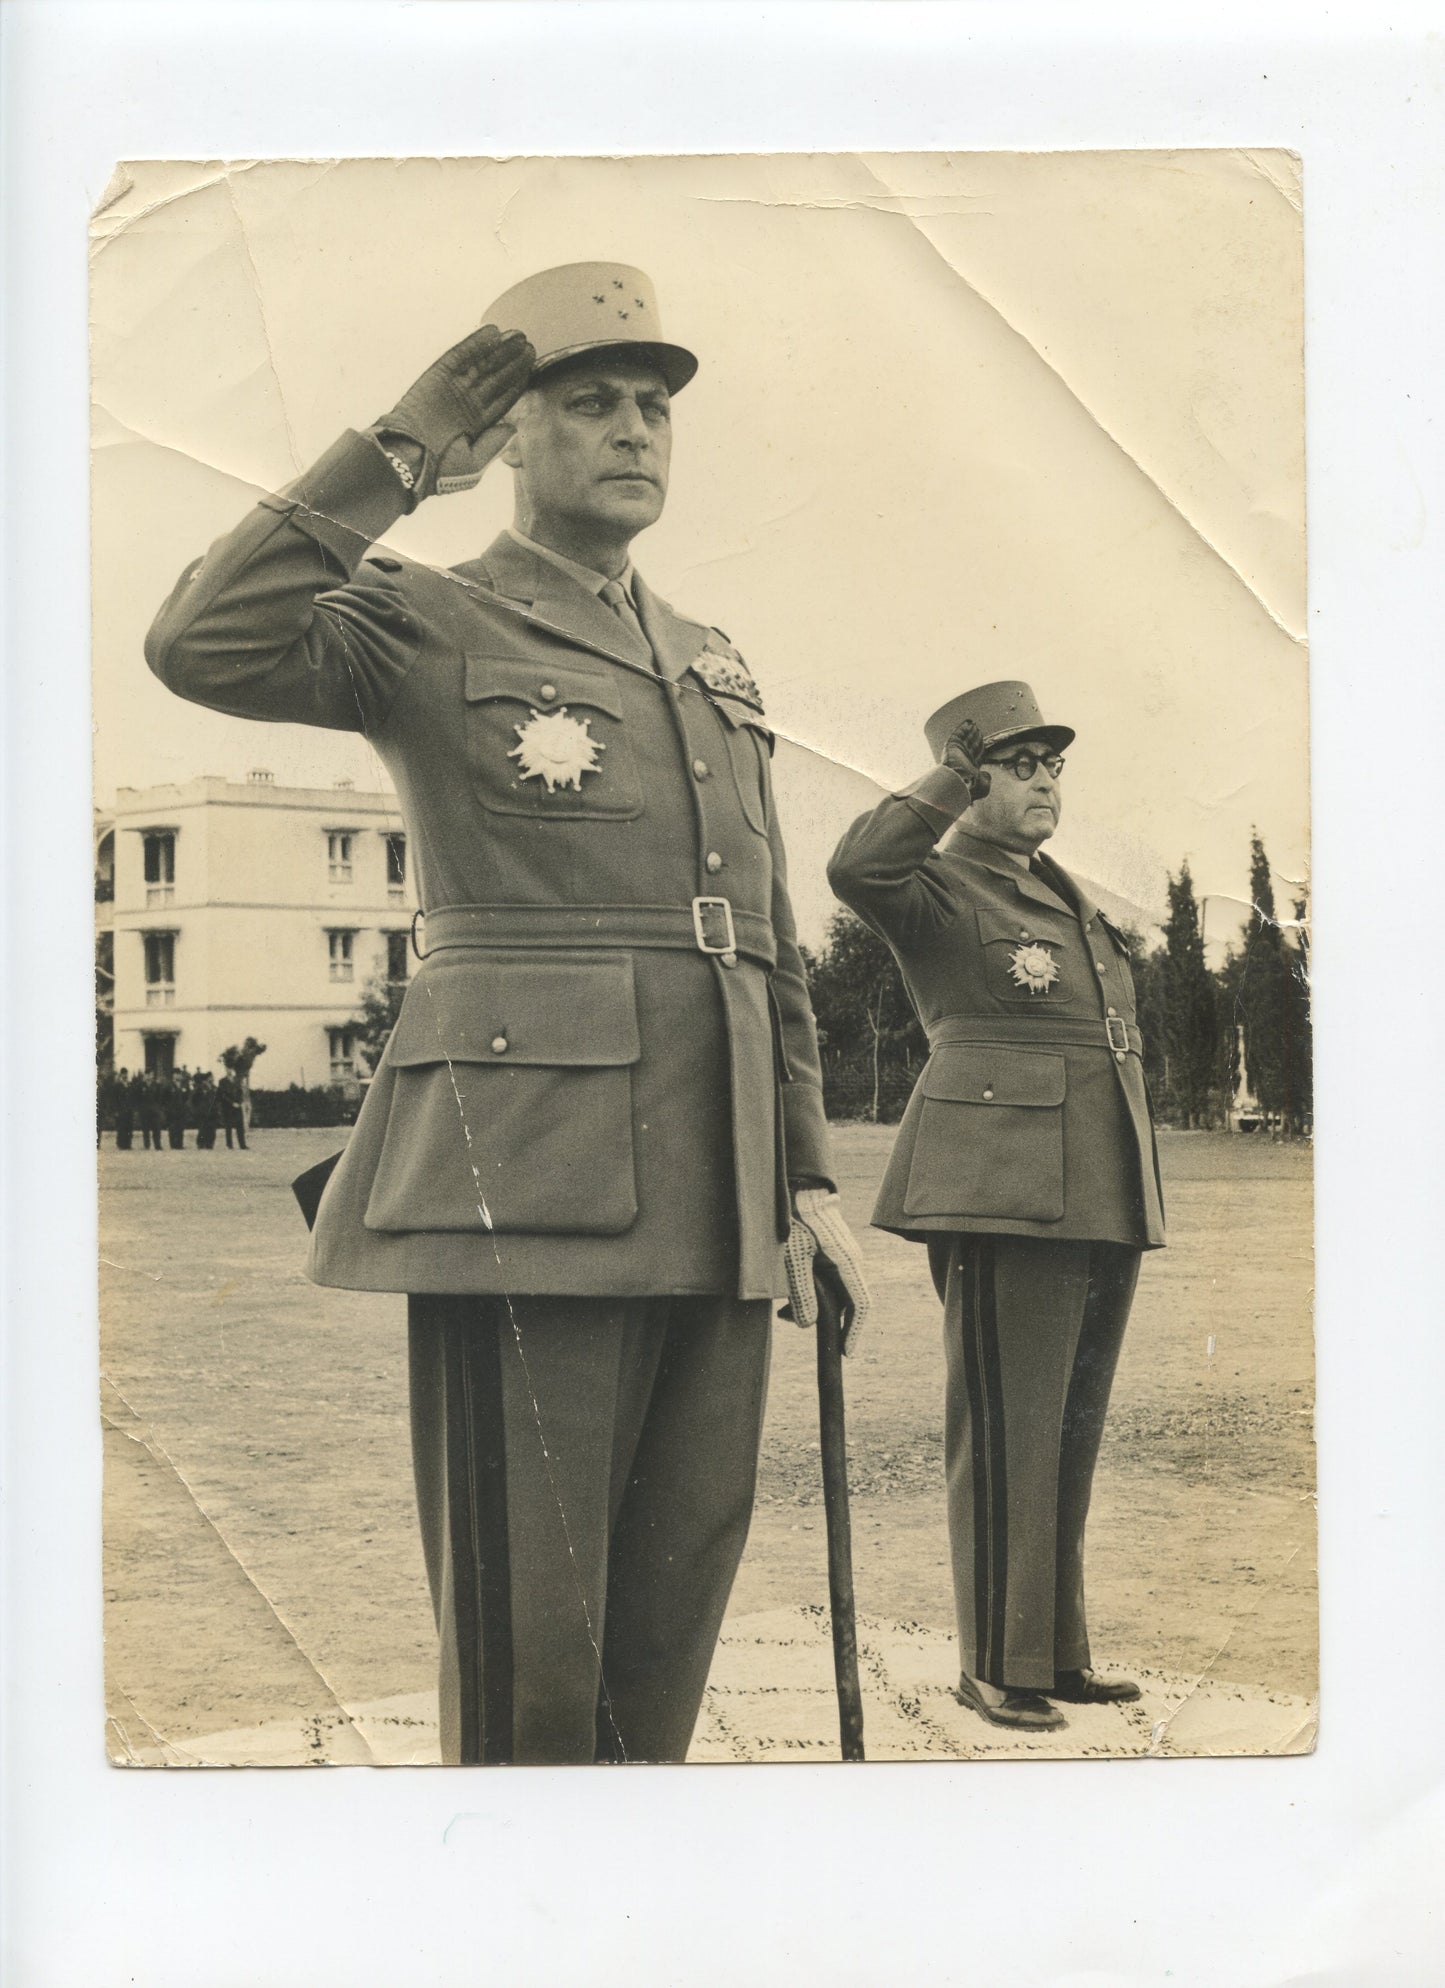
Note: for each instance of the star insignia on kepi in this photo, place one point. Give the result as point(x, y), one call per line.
point(1033, 967)
point(556, 749)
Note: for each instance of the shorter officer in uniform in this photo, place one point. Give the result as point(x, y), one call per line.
point(1026, 1162)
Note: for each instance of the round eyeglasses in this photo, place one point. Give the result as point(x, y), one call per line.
point(1025, 765)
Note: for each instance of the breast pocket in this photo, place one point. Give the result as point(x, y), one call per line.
point(750, 751)
point(512, 1103)
point(1028, 965)
point(990, 1139)
point(549, 741)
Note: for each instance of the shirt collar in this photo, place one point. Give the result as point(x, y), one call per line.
point(585, 576)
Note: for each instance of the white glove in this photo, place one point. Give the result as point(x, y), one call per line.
point(819, 1231)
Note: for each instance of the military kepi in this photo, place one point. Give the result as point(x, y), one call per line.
point(584, 307)
point(1002, 711)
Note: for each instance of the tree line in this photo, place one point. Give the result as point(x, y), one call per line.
point(1209, 1032)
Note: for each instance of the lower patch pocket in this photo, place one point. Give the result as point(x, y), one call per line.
point(990, 1138)
point(511, 1110)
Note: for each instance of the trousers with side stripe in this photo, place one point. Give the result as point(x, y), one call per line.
point(585, 1470)
point(1032, 1332)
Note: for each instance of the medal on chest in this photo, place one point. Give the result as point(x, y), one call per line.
point(556, 749)
point(728, 676)
point(1033, 967)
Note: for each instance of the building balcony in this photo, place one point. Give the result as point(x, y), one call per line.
point(160, 997)
point(159, 894)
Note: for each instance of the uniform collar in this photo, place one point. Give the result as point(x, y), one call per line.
point(1037, 888)
point(585, 576)
point(1088, 910)
point(532, 582)
point(535, 582)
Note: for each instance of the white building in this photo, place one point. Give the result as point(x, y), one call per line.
point(246, 908)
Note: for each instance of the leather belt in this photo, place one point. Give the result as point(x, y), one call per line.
point(1048, 1032)
point(708, 925)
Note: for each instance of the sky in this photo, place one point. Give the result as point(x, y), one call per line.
point(958, 417)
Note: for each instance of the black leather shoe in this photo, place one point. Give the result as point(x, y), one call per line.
point(1085, 1687)
point(1024, 1711)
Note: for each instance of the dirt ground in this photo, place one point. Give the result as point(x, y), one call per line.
point(261, 1552)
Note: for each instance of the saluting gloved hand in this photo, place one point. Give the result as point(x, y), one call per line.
point(964, 753)
point(455, 411)
point(820, 1244)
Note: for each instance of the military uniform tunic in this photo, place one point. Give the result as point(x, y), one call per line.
point(576, 1098)
point(1031, 1116)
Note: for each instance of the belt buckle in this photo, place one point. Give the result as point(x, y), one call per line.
point(1118, 1042)
point(712, 924)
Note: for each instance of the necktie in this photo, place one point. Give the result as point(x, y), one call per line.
point(616, 597)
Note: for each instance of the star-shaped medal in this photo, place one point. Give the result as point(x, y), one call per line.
point(556, 749)
point(1033, 967)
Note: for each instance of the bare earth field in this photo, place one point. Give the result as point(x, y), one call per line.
point(262, 1561)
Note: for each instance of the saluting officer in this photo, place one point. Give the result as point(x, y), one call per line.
point(1026, 1162)
point(600, 1109)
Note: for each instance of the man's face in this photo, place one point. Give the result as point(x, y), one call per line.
point(1017, 814)
point(592, 448)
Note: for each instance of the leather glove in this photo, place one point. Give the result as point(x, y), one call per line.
point(964, 753)
point(820, 1242)
point(455, 410)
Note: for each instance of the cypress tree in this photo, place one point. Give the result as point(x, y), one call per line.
point(1301, 1032)
point(1266, 998)
point(1190, 1018)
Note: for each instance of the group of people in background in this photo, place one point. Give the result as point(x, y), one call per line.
point(163, 1108)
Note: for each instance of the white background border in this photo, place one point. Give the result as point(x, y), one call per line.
point(1323, 1870)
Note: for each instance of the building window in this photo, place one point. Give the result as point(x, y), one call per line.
point(160, 968)
point(397, 962)
point(342, 960)
point(338, 855)
point(105, 868)
point(343, 1054)
point(159, 855)
point(396, 862)
point(160, 1054)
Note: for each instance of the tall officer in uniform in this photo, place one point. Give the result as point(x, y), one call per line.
point(600, 1110)
point(1026, 1162)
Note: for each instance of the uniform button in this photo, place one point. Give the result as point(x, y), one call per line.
point(987, 1096)
point(547, 692)
point(728, 959)
point(1118, 1055)
point(1023, 931)
point(1113, 1011)
point(713, 863)
point(500, 1045)
point(1098, 966)
point(699, 767)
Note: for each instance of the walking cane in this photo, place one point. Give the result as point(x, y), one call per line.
point(834, 1446)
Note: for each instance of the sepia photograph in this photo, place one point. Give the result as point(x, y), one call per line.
point(703, 1070)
